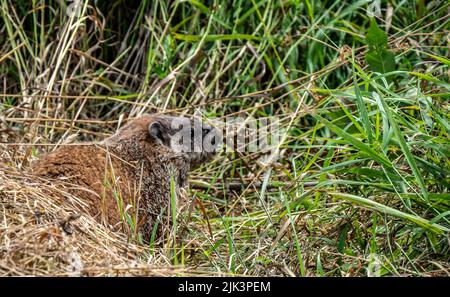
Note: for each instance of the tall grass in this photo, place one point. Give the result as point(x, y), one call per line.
point(364, 169)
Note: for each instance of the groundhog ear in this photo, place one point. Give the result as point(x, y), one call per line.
point(157, 133)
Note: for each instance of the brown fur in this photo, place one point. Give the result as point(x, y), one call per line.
point(131, 166)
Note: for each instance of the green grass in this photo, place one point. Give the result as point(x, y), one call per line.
point(364, 168)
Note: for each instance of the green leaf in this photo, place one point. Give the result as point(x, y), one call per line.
point(381, 60)
point(376, 38)
point(362, 147)
point(363, 111)
point(402, 142)
point(430, 78)
point(379, 57)
point(439, 58)
point(372, 205)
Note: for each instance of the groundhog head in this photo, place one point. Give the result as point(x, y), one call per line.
point(190, 138)
point(171, 137)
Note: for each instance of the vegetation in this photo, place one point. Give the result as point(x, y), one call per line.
point(361, 185)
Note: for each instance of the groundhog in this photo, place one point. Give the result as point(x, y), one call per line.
point(128, 176)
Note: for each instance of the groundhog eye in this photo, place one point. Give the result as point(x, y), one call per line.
point(206, 130)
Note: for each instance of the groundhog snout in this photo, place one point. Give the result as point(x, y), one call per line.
point(210, 136)
point(205, 145)
point(199, 143)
